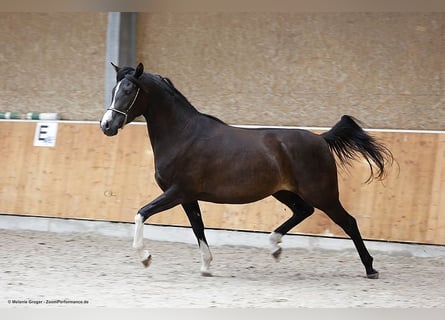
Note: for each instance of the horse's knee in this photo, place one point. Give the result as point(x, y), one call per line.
point(301, 210)
point(307, 211)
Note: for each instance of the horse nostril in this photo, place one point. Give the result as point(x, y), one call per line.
point(105, 125)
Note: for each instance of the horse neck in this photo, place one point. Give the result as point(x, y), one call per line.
point(170, 121)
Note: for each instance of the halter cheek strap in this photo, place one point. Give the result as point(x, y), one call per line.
point(125, 113)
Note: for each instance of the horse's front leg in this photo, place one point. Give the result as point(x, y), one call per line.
point(165, 201)
point(194, 214)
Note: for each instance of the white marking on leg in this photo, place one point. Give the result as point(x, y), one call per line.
point(138, 241)
point(206, 258)
point(138, 232)
point(275, 240)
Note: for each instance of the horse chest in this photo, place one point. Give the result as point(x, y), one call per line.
point(168, 172)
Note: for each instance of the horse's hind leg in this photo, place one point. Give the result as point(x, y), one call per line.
point(194, 215)
point(348, 223)
point(300, 211)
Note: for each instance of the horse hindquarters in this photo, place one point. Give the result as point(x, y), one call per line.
point(315, 173)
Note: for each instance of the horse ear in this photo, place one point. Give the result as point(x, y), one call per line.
point(116, 68)
point(139, 70)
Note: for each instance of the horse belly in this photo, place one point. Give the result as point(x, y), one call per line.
point(242, 184)
point(233, 196)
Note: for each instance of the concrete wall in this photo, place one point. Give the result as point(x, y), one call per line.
point(386, 69)
point(53, 62)
point(300, 69)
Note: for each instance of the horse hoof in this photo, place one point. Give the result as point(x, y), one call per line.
point(374, 275)
point(146, 262)
point(276, 254)
point(206, 274)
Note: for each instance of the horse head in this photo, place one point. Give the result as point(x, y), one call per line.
point(126, 102)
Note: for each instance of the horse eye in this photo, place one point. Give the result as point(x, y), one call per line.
point(127, 88)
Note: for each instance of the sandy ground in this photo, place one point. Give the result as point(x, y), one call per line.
point(44, 269)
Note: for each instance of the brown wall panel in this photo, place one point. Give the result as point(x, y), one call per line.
point(90, 176)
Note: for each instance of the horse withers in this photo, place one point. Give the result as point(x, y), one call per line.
point(200, 158)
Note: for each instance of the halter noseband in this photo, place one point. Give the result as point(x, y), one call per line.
point(125, 113)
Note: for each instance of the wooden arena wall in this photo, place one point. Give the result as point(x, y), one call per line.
point(90, 176)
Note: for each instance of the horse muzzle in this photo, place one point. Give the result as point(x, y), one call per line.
point(110, 124)
point(109, 131)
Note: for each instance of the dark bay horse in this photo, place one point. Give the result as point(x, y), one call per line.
point(200, 158)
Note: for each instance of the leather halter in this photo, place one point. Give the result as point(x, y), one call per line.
point(125, 113)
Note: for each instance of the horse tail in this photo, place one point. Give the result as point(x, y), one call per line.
point(348, 141)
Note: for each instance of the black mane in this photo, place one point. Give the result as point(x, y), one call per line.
point(127, 72)
point(173, 88)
